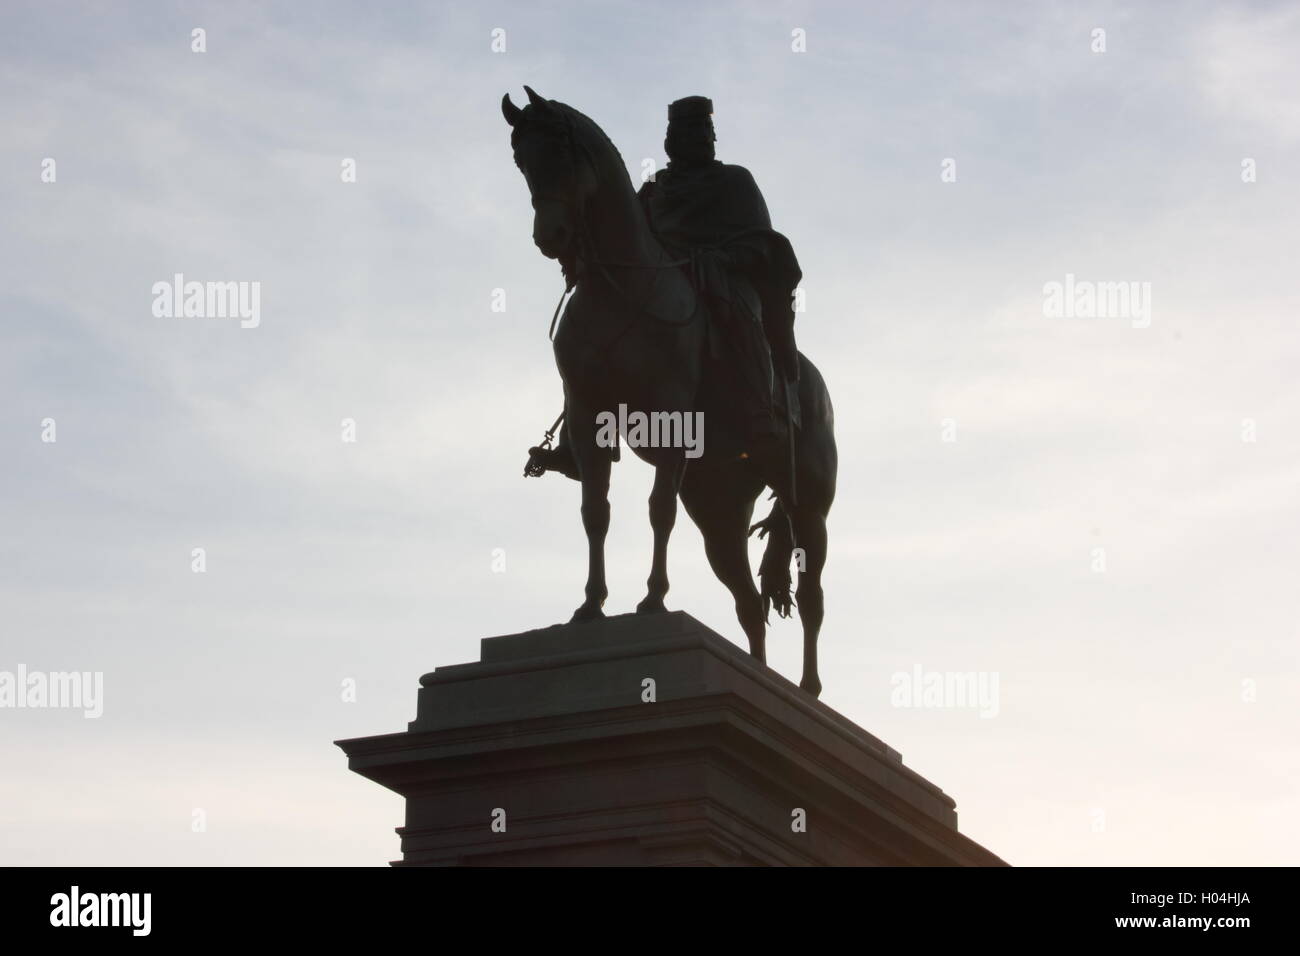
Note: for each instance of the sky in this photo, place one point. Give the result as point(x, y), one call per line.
point(1098, 513)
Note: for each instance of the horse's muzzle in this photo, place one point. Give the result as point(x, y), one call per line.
point(551, 231)
point(555, 243)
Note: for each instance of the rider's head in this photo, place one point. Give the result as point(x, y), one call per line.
point(690, 136)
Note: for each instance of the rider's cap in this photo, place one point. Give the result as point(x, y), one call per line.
point(690, 106)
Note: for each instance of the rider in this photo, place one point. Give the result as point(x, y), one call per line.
point(714, 214)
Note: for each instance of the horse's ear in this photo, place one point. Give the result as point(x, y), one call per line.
point(509, 110)
point(534, 98)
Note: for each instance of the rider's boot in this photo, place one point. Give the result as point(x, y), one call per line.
point(541, 460)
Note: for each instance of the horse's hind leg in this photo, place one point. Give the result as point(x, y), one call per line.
point(723, 517)
point(663, 515)
point(810, 539)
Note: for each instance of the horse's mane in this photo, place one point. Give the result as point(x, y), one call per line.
point(535, 117)
point(585, 120)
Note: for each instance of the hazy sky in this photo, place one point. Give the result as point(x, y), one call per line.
point(1147, 712)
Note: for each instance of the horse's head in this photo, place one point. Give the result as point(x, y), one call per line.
point(559, 174)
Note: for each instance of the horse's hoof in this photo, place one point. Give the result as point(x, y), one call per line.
point(651, 605)
point(588, 612)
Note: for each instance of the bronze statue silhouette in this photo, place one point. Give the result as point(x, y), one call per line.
point(639, 332)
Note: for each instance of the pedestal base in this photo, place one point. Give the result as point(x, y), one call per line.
point(644, 741)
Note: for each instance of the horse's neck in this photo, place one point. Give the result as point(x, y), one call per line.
point(619, 229)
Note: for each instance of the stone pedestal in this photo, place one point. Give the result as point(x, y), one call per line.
point(548, 752)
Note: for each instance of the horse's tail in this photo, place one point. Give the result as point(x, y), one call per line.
point(774, 571)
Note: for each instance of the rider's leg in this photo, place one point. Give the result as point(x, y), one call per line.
point(780, 335)
point(757, 375)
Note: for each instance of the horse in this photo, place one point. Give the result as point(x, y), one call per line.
point(634, 334)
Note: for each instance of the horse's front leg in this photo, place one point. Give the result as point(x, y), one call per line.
point(663, 515)
point(593, 469)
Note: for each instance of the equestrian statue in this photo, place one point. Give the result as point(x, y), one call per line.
point(681, 304)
